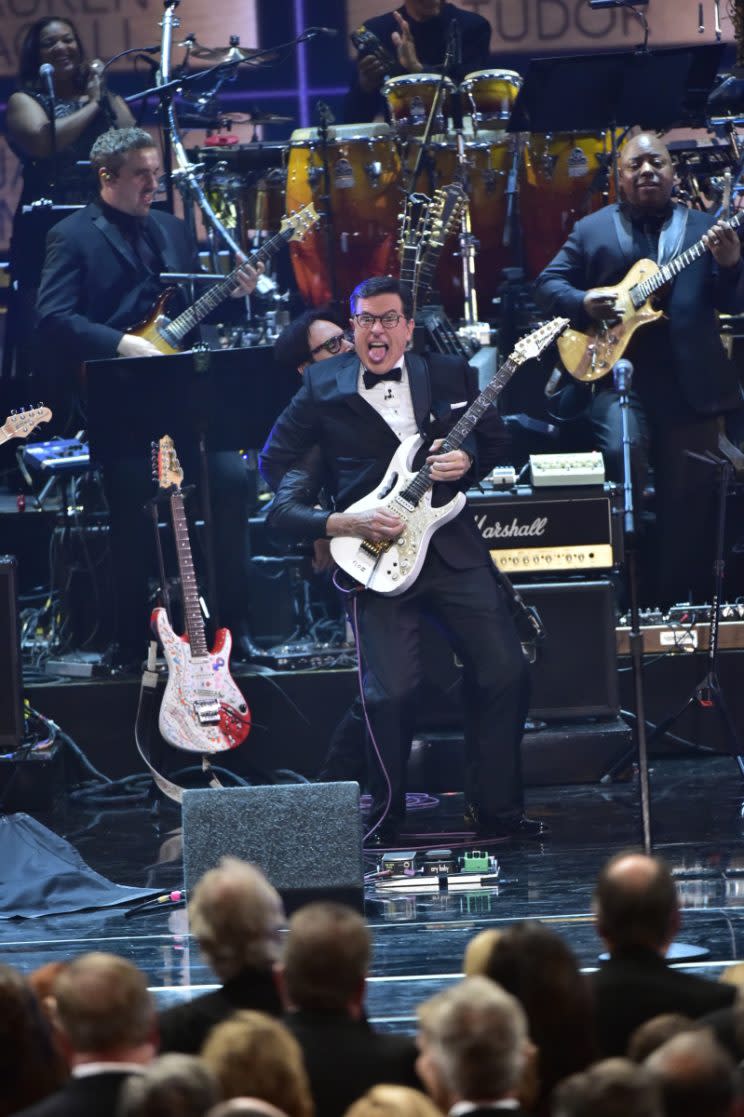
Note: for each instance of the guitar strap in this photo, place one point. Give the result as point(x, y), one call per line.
point(670, 240)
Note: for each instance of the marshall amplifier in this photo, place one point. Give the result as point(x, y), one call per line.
point(550, 531)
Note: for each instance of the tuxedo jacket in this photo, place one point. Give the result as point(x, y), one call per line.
point(600, 251)
point(345, 1058)
point(356, 444)
point(185, 1027)
point(633, 986)
point(94, 287)
point(94, 1095)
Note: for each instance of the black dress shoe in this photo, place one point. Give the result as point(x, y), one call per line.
point(505, 827)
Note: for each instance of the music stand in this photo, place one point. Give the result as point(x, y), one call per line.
point(592, 92)
point(207, 400)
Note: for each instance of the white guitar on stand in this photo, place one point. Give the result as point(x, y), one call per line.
point(392, 565)
point(202, 709)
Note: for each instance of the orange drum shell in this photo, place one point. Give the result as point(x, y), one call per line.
point(491, 95)
point(410, 97)
point(365, 208)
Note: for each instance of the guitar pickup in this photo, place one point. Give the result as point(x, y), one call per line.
point(207, 712)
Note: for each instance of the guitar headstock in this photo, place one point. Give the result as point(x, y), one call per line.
point(534, 344)
point(446, 210)
point(166, 467)
point(19, 424)
point(295, 225)
point(413, 222)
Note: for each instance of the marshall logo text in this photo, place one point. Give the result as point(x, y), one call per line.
point(512, 530)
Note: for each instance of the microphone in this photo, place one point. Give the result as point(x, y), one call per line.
point(46, 74)
point(701, 20)
point(622, 375)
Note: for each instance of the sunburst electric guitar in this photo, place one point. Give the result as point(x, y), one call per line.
point(167, 334)
point(19, 424)
point(590, 355)
point(391, 566)
point(202, 709)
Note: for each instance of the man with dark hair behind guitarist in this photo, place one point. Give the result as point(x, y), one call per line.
point(683, 383)
point(101, 278)
point(409, 40)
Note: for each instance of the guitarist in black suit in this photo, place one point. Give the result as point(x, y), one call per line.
point(683, 382)
point(101, 277)
point(357, 408)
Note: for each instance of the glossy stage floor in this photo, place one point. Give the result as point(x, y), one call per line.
point(419, 939)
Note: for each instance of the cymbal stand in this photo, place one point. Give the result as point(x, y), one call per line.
point(326, 119)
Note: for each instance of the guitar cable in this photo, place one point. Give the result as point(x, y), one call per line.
point(351, 593)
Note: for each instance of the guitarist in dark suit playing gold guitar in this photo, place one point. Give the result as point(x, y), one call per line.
point(683, 382)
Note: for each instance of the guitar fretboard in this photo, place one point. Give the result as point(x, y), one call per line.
point(189, 591)
point(647, 287)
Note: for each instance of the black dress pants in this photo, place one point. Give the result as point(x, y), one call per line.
point(471, 609)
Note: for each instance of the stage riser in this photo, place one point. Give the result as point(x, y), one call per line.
point(294, 714)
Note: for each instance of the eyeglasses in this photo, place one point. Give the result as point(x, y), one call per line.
point(389, 319)
point(332, 345)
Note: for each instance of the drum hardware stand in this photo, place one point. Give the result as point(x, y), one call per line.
point(326, 119)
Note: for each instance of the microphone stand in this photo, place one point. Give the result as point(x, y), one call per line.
point(622, 375)
point(52, 114)
point(326, 119)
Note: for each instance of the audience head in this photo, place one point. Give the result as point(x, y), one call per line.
point(325, 959)
point(653, 1033)
point(697, 1077)
point(245, 1107)
point(173, 1085)
point(29, 1068)
point(49, 40)
point(387, 1100)
point(236, 916)
point(611, 1088)
point(253, 1055)
point(102, 1009)
point(473, 1043)
point(478, 952)
point(313, 336)
point(636, 903)
point(537, 967)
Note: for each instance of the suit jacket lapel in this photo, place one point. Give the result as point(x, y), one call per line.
point(164, 249)
point(624, 232)
point(115, 238)
point(418, 379)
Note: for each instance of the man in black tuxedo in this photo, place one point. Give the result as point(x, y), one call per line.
point(357, 408)
point(474, 1048)
point(322, 977)
point(637, 913)
point(683, 382)
point(415, 38)
point(104, 1019)
point(101, 277)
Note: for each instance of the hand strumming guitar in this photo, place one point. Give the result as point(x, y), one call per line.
point(599, 304)
point(374, 524)
point(132, 346)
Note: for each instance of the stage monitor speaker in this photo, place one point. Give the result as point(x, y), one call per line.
point(11, 699)
point(574, 674)
point(306, 838)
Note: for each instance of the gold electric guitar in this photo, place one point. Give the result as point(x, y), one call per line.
point(591, 355)
point(167, 334)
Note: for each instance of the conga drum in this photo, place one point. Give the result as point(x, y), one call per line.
point(409, 100)
point(491, 95)
point(563, 176)
point(365, 199)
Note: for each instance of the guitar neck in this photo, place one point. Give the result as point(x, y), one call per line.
point(189, 591)
point(462, 428)
point(190, 318)
point(659, 279)
point(427, 268)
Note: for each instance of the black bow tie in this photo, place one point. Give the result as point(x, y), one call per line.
point(372, 378)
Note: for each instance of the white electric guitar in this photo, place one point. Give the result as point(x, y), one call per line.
point(202, 709)
point(391, 566)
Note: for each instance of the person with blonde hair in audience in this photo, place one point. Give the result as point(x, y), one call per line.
point(30, 1069)
point(322, 977)
point(474, 1048)
point(105, 1020)
point(252, 1054)
point(610, 1088)
point(389, 1100)
point(173, 1085)
point(236, 917)
point(478, 951)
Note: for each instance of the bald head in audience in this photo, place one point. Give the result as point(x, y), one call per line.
point(246, 1107)
point(636, 903)
point(611, 1088)
point(697, 1077)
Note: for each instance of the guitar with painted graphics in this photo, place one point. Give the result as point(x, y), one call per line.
point(392, 565)
point(202, 709)
point(19, 424)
